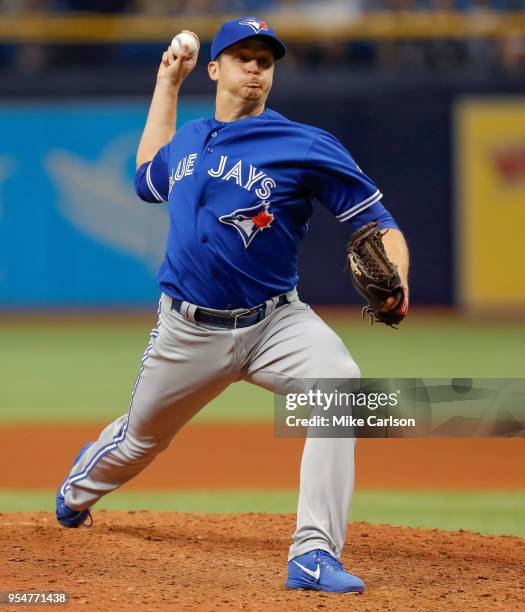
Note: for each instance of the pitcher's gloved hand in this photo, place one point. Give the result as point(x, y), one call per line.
point(375, 277)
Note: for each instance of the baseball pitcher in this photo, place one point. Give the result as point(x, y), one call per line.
point(240, 187)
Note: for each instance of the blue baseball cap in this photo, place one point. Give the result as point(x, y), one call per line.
point(234, 31)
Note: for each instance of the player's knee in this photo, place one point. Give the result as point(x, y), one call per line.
point(346, 369)
point(355, 370)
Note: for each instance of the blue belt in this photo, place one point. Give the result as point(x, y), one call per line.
point(230, 319)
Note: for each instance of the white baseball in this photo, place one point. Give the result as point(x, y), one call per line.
point(184, 38)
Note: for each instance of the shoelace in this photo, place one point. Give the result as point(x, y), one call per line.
point(330, 563)
point(90, 518)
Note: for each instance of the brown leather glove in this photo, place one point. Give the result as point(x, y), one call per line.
point(374, 276)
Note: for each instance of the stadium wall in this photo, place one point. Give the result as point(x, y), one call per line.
point(72, 233)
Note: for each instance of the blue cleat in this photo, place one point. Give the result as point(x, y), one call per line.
point(320, 571)
point(66, 516)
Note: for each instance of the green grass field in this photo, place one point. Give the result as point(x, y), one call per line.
point(83, 373)
point(488, 512)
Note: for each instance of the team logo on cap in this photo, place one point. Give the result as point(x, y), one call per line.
point(255, 25)
point(249, 221)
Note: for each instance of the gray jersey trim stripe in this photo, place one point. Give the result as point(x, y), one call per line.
point(377, 195)
point(357, 209)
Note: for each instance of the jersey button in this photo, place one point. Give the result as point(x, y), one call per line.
point(210, 150)
point(213, 134)
point(204, 239)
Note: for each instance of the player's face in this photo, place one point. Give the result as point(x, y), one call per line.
point(244, 70)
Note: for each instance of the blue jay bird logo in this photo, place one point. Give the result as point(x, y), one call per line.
point(249, 221)
point(255, 24)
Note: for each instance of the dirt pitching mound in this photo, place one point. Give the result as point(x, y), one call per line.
point(174, 561)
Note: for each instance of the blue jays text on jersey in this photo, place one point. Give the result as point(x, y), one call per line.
point(240, 197)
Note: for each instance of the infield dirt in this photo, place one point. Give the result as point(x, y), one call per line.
point(174, 561)
point(248, 456)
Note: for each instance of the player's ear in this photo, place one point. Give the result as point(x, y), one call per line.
point(213, 70)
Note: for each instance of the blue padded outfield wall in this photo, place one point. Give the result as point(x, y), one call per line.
point(74, 234)
point(72, 230)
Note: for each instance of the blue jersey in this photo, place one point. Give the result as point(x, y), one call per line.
point(240, 197)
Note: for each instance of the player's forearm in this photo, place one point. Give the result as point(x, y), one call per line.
point(161, 122)
point(397, 251)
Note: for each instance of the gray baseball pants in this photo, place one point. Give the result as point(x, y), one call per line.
point(186, 365)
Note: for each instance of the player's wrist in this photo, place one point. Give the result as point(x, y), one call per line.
point(168, 84)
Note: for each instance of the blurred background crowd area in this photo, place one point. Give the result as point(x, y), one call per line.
point(446, 52)
point(430, 103)
point(170, 7)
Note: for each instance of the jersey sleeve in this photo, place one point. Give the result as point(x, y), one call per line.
point(333, 177)
point(376, 212)
point(152, 178)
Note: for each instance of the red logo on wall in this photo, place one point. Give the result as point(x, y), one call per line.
point(510, 163)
